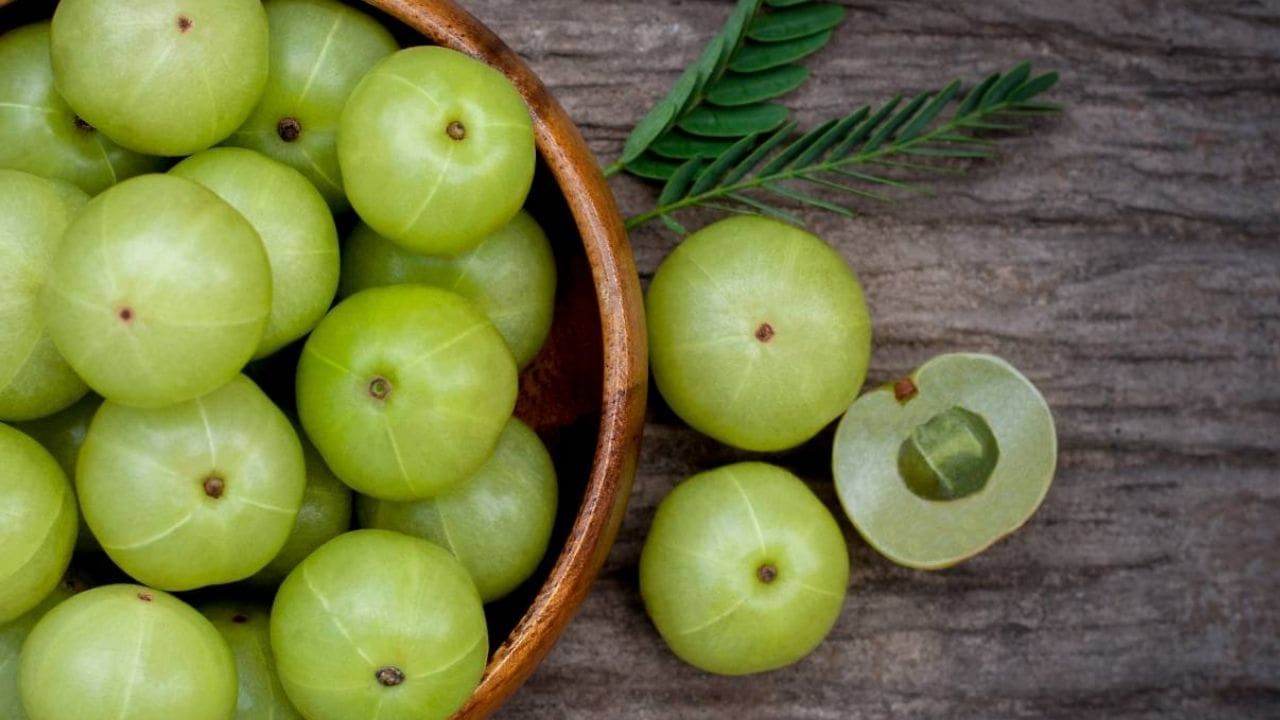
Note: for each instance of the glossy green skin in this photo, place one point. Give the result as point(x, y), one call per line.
point(510, 277)
point(40, 130)
point(62, 434)
point(324, 515)
point(38, 530)
point(189, 268)
point(107, 654)
point(452, 384)
point(296, 229)
point(409, 179)
point(153, 87)
point(141, 482)
point(247, 629)
point(889, 516)
point(371, 599)
point(497, 524)
point(699, 569)
point(35, 380)
point(12, 635)
point(705, 306)
point(319, 51)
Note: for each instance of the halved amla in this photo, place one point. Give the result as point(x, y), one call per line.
point(936, 467)
point(200, 493)
point(379, 624)
point(126, 651)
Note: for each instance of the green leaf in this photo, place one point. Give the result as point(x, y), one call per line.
point(973, 100)
point(678, 186)
point(672, 225)
point(877, 179)
point(772, 211)
point(860, 133)
point(737, 89)
point(682, 146)
point(1033, 87)
point(778, 137)
point(896, 122)
point(834, 132)
point(648, 129)
point(735, 30)
point(796, 22)
point(849, 189)
point(716, 170)
point(653, 168)
point(948, 152)
point(784, 3)
point(1005, 85)
point(800, 197)
point(784, 159)
point(733, 122)
point(754, 57)
point(929, 112)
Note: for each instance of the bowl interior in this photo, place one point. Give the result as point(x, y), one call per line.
point(593, 446)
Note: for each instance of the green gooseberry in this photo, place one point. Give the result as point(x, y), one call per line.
point(319, 51)
point(162, 77)
point(436, 150)
point(38, 530)
point(35, 380)
point(744, 569)
point(126, 651)
point(12, 636)
point(247, 629)
point(324, 515)
point(199, 493)
point(758, 333)
point(935, 468)
point(43, 135)
point(62, 434)
point(510, 276)
point(296, 229)
point(497, 524)
point(379, 624)
point(404, 390)
point(159, 292)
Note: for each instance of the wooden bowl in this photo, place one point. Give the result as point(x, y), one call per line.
point(585, 393)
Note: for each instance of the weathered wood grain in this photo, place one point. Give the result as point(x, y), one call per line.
point(1126, 256)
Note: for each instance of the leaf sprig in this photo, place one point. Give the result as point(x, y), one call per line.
point(856, 155)
point(724, 96)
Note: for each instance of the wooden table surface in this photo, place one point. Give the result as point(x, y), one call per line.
point(1125, 256)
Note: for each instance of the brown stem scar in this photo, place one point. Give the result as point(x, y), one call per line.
point(764, 333)
point(146, 596)
point(904, 390)
point(125, 314)
point(289, 129)
point(214, 486)
point(456, 130)
point(767, 573)
point(82, 124)
point(184, 23)
point(379, 388)
point(389, 676)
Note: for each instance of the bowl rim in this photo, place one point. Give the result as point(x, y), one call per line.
point(617, 286)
